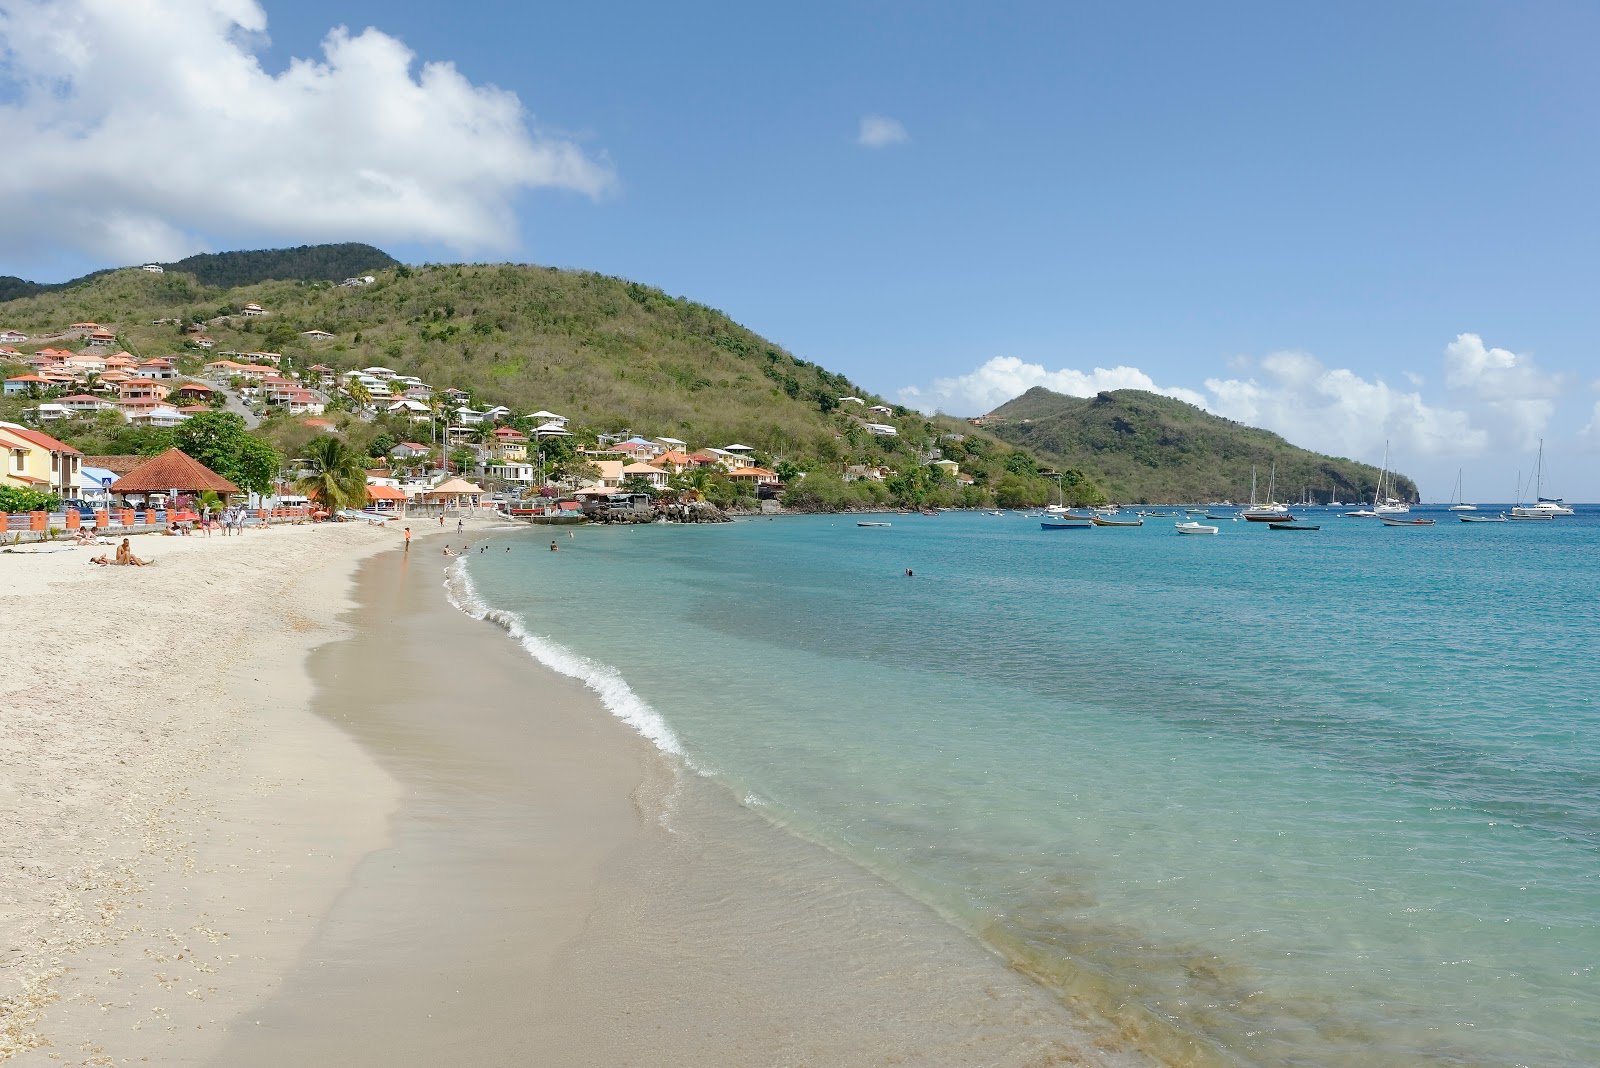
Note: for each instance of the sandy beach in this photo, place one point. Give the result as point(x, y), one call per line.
point(175, 816)
point(417, 844)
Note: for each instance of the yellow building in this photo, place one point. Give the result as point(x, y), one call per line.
point(36, 460)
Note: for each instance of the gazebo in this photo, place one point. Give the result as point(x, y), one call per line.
point(172, 471)
point(448, 494)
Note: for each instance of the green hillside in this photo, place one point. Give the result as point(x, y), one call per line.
point(1146, 448)
point(610, 354)
point(305, 262)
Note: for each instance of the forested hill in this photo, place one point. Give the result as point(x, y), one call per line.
point(1146, 448)
point(607, 353)
point(228, 269)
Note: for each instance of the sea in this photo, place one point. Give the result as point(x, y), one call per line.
point(1309, 798)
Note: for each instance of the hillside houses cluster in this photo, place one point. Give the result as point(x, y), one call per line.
point(145, 392)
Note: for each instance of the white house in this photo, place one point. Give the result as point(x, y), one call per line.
point(51, 411)
point(13, 337)
point(881, 409)
point(852, 400)
point(882, 430)
point(496, 414)
point(548, 417)
point(251, 310)
point(316, 335)
point(468, 417)
point(154, 268)
point(385, 373)
point(351, 283)
point(512, 471)
point(551, 430)
point(409, 450)
point(418, 411)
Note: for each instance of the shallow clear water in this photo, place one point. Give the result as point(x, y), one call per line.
point(1325, 798)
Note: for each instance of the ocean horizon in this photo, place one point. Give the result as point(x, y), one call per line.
point(1321, 798)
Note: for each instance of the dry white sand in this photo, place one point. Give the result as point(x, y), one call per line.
point(174, 818)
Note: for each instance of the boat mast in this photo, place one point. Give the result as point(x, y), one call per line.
point(1538, 493)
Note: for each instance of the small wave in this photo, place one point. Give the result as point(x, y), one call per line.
point(606, 681)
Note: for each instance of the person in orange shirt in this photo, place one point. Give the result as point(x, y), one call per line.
point(408, 539)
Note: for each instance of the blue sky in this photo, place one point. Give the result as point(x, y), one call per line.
point(1187, 193)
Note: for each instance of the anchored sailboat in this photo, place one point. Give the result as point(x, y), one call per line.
point(1460, 505)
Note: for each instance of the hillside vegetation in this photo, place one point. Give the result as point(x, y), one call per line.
point(1146, 448)
point(609, 354)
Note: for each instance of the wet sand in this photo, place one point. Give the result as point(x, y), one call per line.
point(557, 892)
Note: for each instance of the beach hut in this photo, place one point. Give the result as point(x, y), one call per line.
point(450, 494)
point(174, 471)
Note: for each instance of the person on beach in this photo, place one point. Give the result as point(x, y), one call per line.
point(461, 524)
point(408, 539)
point(441, 519)
point(124, 557)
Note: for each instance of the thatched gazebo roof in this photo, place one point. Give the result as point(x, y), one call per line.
point(173, 470)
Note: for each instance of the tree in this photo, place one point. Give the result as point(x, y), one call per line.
point(337, 478)
point(219, 440)
point(380, 445)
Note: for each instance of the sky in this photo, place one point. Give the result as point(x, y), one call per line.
point(1351, 224)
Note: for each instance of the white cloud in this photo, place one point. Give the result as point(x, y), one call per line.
point(879, 131)
point(148, 130)
point(1337, 411)
point(1518, 396)
point(1005, 377)
point(1589, 436)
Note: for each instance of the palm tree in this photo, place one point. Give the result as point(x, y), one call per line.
point(338, 479)
point(359, 395)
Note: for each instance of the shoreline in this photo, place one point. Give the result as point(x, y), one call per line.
point(558, 890)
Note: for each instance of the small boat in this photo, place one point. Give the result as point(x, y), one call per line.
point(1501, 518)
point(1158, 515)
point(1267, 517)
point(930, 511)
point(1223, 518)
point(1194, 528)
point(1195, 511)
point(1520, 513)
point(1066, 524)
point(1361, 513)
point(864, 524)
point(1388, 522)
point(1033, 515)
point(1103, 521)
point(1294, 526)
point(994, 513)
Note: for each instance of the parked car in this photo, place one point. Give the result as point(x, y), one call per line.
point(83, 508)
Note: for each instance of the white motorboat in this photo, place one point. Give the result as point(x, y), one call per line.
point(1194, 528)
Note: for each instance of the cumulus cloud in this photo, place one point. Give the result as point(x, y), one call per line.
point(1005, 377)
point(880, 131)
point(1337, 411)
point(1590, 434)
point(149, 130)
point(1518, 395)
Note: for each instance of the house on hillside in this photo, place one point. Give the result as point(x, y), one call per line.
point(159, 368)
point(410, 450)
point(154, 268)
point(949, 467)
point(316, 335)
point(50, 411)
point(22, 383)
point(882, 430)
point(881, 409)
point(12, 337)
point(151, 413)
point(138, 389)
point(102, 338)
point(352, 283)
point(203, 341)
point(852, 400)
point(415, 410)
point(193, 393)
point(651, 474)
point(85, 403)
point(252, 310)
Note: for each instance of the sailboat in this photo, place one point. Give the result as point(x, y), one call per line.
point(1461, 505)
point(1272, 511)
point(1381, 502)
point(1542, 507)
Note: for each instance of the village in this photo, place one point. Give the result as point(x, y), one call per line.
point(534, 466)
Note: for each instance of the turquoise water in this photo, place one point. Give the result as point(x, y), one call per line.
point(1324, 798)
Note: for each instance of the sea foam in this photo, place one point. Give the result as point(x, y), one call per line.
point(606, 681)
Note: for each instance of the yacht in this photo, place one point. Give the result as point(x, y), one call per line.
point(1461, 505)
point(1542, 507)
point(1272, 511)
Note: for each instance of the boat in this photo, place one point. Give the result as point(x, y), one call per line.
point(1294, 526)
point(1460, 505)
point(1272, 511)
point(1482, 518)
point(1542, 506)
point(865, 524)
point(1194, 528)
point(1195, 511)
point(1066, 524)
point(1361, 513)
point(1389, 521)
point(994, 513)
point(1158, 515)
point(1382, 503)
point(1106, 521)
point(930, 511)
point(1223, 518)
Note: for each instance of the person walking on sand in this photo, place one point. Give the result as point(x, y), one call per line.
point(441, 519)
point(408, 539)
point(461, 524)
